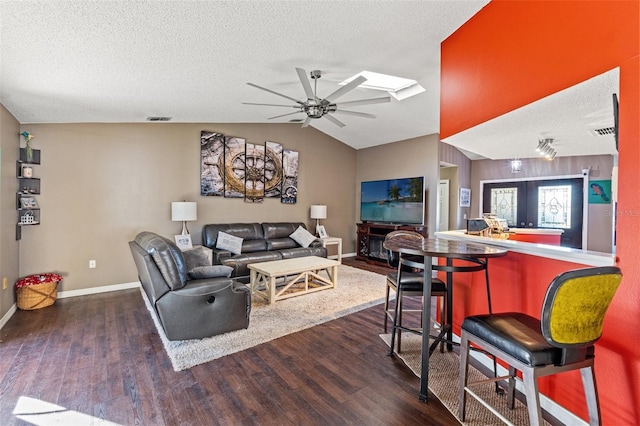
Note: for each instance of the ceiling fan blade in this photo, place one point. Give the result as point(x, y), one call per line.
point(306, 122)
point(356, 113)
point(275, 93)
point(334, 120)
point(284, 115)
point(364, 102)
point(344, 89)
point(278, 105)
point(302, 75)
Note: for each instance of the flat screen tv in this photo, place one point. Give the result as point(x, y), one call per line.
point(397, 201)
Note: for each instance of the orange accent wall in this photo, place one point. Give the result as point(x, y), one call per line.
point(553, 240)
point(508, 55)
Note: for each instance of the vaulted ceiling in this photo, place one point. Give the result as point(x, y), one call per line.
point(124, 61)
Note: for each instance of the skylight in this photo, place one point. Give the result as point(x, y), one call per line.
point(398, 87)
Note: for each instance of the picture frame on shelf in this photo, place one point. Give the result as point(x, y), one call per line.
point(28, 219)
point(184, 242)
point(322, 233)
point(28, 203)
point(26, 172)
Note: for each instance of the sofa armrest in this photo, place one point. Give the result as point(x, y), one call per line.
point(204, 308)
point(219, 255)
point(316, 243)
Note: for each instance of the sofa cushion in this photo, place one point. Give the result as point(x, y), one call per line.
point(195, 257)
point(229, 242)
point(202, 272)
point(167, 257)
point(250, 246)
point(246, 231)
point(274, 230)
point(281, 243)
point(239, 262)
point(301, 252)
point(302, 237)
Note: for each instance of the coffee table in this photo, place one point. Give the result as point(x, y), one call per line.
point(296, 276)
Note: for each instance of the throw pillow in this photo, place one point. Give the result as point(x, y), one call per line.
point(195, 257)
point(202, 272)
point(229, 242)
point(302, 237)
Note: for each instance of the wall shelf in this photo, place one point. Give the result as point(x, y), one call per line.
point(28, 187)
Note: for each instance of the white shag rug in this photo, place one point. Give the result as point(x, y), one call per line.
point(356, 290)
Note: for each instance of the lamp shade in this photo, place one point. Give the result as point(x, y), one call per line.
point(318, 212)
point(184, 210)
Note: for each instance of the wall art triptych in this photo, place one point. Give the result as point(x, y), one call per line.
point(233, 168)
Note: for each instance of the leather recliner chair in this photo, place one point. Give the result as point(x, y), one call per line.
point(187, 308)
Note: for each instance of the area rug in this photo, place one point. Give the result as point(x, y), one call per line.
point(444, 372)
point(356, 290)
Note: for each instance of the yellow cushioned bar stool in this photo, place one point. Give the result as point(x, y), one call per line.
point(562, 340)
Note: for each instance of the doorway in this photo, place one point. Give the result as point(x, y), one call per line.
point(554, 203)
point(442, 210)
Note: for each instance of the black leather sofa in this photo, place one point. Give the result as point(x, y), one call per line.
point(261, 242)
point(187, 308)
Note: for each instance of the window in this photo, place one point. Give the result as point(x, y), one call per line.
point(554, 206)
point(504, 204)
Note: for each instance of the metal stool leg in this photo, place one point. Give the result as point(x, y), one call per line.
point(386, 308)
point(499, 390)
point(395, 317)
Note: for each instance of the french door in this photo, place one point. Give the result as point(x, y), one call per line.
point(556, 203)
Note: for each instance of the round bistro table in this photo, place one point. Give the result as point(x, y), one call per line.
point(449, 250)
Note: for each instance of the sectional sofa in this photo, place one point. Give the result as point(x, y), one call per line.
point(261, 242)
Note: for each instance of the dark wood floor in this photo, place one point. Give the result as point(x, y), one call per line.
point(100, 355)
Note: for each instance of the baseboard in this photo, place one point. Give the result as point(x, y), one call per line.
point(96, 290)
point(12, 310)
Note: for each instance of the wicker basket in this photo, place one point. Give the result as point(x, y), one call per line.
point(37, 296)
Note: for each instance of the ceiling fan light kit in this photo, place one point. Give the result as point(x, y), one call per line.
point(315, 107)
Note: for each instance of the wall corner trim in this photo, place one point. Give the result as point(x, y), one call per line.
point(8, 315)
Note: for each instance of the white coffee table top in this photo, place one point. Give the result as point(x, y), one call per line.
point(292, 266)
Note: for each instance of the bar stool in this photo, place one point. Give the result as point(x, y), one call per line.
point(562, 340)
point(408, 280)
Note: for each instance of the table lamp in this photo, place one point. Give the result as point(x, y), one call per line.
point(183, 211)
point(318, 212)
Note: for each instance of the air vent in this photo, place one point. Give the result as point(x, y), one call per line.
point(296, 120)
point(604, 131)
point(158, 118)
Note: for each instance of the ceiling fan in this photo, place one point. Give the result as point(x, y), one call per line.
point(315, 107)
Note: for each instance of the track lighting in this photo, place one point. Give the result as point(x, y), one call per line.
point(545, 149)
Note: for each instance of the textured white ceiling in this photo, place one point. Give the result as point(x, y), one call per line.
point(569, 117)
point(123, 61)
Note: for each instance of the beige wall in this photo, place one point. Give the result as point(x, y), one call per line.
point(408, 158)
point(600, 216)
point(104, 183)
point(9, 138)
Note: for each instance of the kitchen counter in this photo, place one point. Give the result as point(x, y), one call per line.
point(584, 257)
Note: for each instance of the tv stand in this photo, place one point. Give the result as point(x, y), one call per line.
point(370, 237)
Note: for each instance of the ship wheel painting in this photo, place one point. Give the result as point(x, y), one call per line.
point(232, 168)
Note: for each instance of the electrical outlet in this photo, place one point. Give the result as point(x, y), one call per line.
point(4, 283)
point(92, 264)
